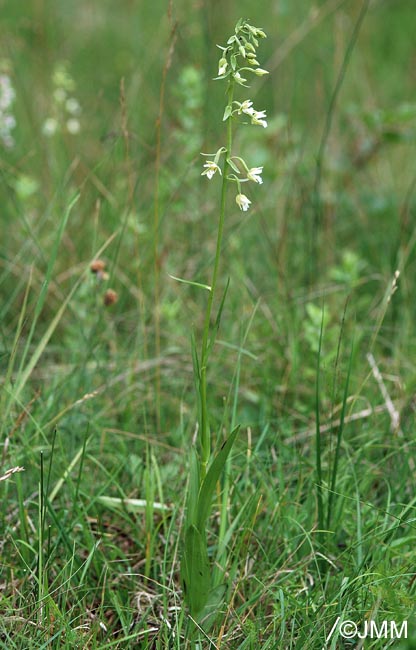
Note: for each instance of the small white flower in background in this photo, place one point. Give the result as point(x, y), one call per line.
point(65, 107)
point(73, 126)
point(243, 202)
point(7, 119)
point(211, 168)
point(59, 95)
point(61, 77)
point(9, 122)
point(254, 174)
point(72, 106)
point(50, 126)
point(7, 94)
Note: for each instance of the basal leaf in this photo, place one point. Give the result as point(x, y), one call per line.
point(196, 575)
point(210, 480)
point(208, 615)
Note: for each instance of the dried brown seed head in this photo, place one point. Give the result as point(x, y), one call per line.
point(97, 266)
point(110, 297)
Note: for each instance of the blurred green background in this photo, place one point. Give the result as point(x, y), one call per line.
point(334, 217)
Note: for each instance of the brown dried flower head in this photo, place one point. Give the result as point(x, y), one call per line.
point(110, 297)
point(97, 266)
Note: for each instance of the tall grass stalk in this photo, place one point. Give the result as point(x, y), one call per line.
point(156, 211)
point(318, 443)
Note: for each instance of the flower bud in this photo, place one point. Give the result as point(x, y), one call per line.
point(260, 72)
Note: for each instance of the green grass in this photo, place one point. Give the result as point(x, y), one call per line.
point(97, 402)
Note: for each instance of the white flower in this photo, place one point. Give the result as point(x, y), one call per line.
point(257, 118)
point(7, 140)
point(72, 106)
point(50, 126)
point(59, 95)
point(222, 66)
point(211, 168)
point(7, 94)
point(246, 107)
point(73, 126)
point(243, 202)
point(238, 78)
point(7, 119)
point(9, 122)
point(254, 174)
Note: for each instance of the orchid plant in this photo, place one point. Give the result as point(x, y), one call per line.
point(203, 589)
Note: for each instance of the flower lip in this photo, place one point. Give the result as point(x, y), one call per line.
point(211, 169)
point(243, 202)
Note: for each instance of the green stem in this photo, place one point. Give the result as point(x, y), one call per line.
point(205, 434)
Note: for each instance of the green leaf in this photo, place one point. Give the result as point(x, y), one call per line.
point(193, 490)
point(233, 166)
point(130, 505)
point(193, 284)
point(196, 373)
point(227, 112)
point(206, 618)
point(196, 575)
point(210, 480)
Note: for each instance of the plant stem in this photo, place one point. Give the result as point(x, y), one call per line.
point(205, 435)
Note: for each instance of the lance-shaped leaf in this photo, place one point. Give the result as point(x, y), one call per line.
point(193, 491)
point(196, 575)
point(210, 480)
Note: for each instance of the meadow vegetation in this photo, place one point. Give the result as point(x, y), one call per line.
point(104, 110)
